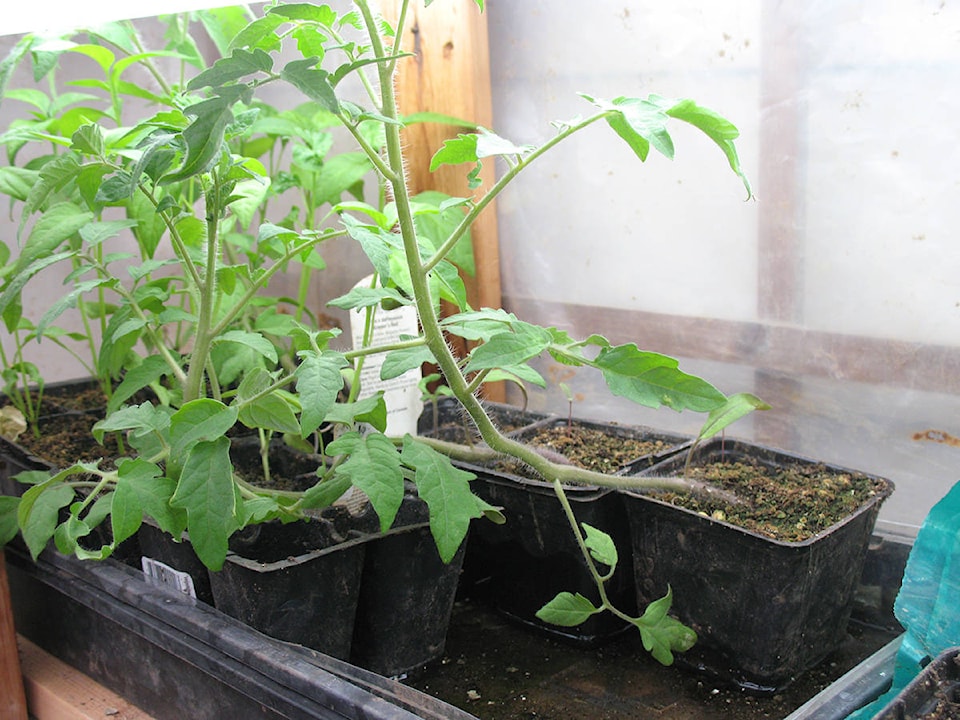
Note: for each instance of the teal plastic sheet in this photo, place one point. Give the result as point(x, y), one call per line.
point(928, 605)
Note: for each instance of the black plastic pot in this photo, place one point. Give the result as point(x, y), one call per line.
point(522, 565)
point(764, 610)
point(338, 585)
point(933, 695)
point(176, 658)
point(406, 596)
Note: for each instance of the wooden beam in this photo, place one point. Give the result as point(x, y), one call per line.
point(13, 703)
point(767, 346)
point(449, 73)
point(57, 691)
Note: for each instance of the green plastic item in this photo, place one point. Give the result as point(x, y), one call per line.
point(929, 599)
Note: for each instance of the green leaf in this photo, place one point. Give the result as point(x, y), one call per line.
point(224, 23)
point(462, 149)
point(661, 634)
point(567, 610)
point(318, 383)
point(254, 341)
point(95, 233)
point(203, 137)
point(312, 82)
point(88, 139)
point(732, 410)
point(8, 518)
point(340, 174)
point(364, 297)
point(69, 300)
point(142, 489)
point(601, 546)
point(716, 127)
point(208, 494)
point(229, 69)
point(271, 411)
point(136, 378)
point(377, 244)
point(398, 362)
point(13, 58)
point(507, 349)
point(53, 228)
point(203, 420)
point(322, 14)
point(39, 513)
point(16, 181)
point(139, 420)
point(325, 493)
point(372, 410)
point(653, 380)
point(446, 490)
point(259, 34)
point(373, 465)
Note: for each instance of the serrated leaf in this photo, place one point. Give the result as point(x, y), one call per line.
point(136, 378)
point(39, 513)
point(364, 297)
point(652, 379)
point(661, 634)
point(567, 610)
point(601, 546)
point(372, 410)
point(398, 362)
point(254, 341)
point(88, 139)
point(142, 489)
point(318, 383)
point(373, 465)
point(51, 229)
point(459, 150)
point(716, 127)
point(446, 490)
point(203, 137)
point(270, 412)
point(208, 494)
point(312, 82)
point(203, 420)
point(239, 64)
point(507, 349)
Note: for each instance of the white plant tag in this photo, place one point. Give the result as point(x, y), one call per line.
point(401, 394)
point(162, 575)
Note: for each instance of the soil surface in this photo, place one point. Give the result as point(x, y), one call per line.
point(498, 670)
point(789, 503)
point(588, 448)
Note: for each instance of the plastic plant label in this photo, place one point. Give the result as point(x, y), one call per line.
point(401, 394)
point(161, 575)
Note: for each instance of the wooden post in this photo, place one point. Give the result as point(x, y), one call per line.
point(13, 701)
point(450, 74)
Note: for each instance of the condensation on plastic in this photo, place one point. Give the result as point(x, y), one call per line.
point(929, 598)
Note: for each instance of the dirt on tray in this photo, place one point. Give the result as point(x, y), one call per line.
point(498, 670)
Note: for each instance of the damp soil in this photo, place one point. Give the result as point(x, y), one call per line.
point(68, 438)
point(498, 670)
point(588, 448)
point(790, 503)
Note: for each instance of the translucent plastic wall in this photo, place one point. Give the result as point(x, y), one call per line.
point(835, 294)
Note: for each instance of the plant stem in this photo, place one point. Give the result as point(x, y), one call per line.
point(205, 332)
